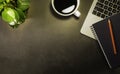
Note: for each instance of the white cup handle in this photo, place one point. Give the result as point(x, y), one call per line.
point(77, 14)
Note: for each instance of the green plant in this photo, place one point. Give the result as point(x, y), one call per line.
point(14, 12)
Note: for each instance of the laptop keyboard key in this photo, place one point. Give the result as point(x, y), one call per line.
point(94, 12)
point(109, 13)
point(99, 9)
point(114, 1)
point(98, 14)
point(106, 12)
point(102, 1)
point(103, 16)
point(118, 11)
point(109, 9)
point(118, 2)
point(106, 2)
point(114, 11)
point(100, 5)
point(110, 4)
point(110, 0)
point(114, 6)
point(105, 7)
point(118, 8)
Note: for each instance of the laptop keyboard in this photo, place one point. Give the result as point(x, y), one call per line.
point(106, 8)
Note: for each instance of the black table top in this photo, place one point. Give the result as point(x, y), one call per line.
point(50, 44)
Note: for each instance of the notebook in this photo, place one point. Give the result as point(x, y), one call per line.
point(99, 10)
point(109, 39)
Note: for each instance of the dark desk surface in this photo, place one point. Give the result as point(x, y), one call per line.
point(49, 44)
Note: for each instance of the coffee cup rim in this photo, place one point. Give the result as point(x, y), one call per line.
point(78, 3)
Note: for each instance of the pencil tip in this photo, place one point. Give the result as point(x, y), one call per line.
point(109, 21)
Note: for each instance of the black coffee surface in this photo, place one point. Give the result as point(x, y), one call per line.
point(63, 4)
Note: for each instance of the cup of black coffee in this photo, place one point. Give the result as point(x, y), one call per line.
point(66, 7)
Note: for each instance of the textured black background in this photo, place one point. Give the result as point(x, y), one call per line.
point(50, 44)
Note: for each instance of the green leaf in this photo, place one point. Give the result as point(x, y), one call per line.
point(2, 0)
point(8, 1)
point(10, 15)
point(23, 4)
point(22, 15)
point(23, 7)
point(1, 7)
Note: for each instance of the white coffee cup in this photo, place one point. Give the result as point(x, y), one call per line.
point(66, 7)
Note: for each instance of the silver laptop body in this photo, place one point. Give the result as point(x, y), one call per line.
point(91, 19)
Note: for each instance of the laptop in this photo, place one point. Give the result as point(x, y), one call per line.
point(99, 10)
